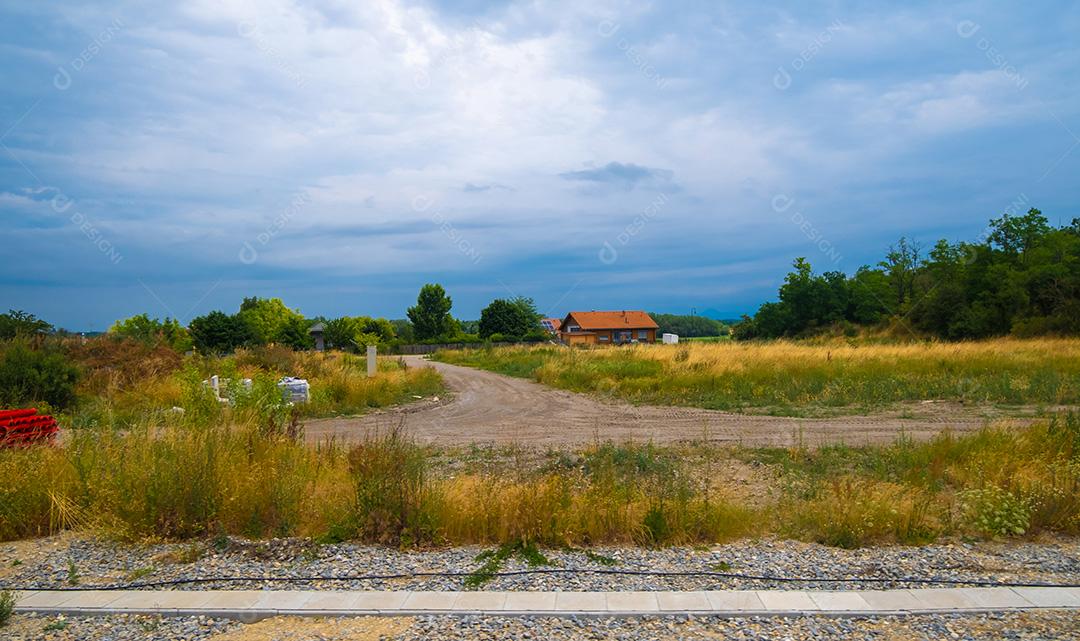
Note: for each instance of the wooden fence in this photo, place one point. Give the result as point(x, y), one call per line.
point(429, 348)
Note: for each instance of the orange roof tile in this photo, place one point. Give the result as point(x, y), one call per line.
point(629, 319)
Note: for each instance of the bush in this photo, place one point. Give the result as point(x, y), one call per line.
point(112, 364)
point(29, 376)
point(996, 512)
point(7, 606)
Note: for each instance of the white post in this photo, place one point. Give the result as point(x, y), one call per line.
point(372, 367)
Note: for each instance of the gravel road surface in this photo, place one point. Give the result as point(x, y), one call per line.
point(485, 407)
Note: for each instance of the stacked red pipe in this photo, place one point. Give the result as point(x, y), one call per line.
point(26, 427)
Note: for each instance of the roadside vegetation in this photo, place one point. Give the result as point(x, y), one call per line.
point(204, 474)
point(119, 382)
point(790, 378)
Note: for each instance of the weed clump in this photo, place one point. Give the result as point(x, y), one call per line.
point(7, 606)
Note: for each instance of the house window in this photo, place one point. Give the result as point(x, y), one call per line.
point(602, 338)
point(643, 334)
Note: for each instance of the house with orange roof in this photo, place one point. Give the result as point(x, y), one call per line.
point(608, 328)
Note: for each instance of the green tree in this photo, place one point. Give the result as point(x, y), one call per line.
point(403, 329)
point(688, 326)
point(1024, 280)
point(431, 314)
point(20, 323)
point(151, 330)
point(218, 332)
point(901, 265)
point(269, 320)
point(294, 333)
point(513, 318)
point(353, 333)
point(1017, 235)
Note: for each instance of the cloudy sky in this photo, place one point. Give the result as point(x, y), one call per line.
point(173, 157)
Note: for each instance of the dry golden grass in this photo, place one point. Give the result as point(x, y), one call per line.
point(198, 477)
point(791, 377)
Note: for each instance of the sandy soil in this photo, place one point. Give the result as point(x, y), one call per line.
point(485, 407)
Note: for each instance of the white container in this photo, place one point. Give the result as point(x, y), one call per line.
point(670, 339)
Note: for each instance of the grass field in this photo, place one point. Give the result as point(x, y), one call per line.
point(793, 378)
point(199, 477)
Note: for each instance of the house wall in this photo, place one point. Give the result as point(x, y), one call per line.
point(604, 336)
point(577, 338)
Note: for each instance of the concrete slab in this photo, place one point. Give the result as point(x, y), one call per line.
point(147, 600)
point(43, 599)
point(643, 602)
point(228, 599)
point(787, 600)
point(839, 602)
point(735, 601)
point(333, 601)
point(1051, 597)
point(381, 601)
point(253, 605)
point(890, 600)
point(683, 602)
point(20, 595)
point(430, 601)
point(283, 600)
point(90, 599)
point(581, 602)
point(996, 598)
point(526, 601)
point(481, 601)
point(944, 599)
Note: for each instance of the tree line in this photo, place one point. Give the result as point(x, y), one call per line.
point(1022, 279)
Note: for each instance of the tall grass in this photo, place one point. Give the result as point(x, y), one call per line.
point(125, 382)
point(192, 478)
point(789, 377)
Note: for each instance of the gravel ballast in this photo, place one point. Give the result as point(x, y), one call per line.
point(67, 561)
point(1028, 626)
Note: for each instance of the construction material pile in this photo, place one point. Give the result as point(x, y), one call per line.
point(20, 428)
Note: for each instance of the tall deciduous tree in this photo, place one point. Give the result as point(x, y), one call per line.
point(218, 332)
point(512, 318)
point(431, 314)
point(270, 320)
point(20, 323)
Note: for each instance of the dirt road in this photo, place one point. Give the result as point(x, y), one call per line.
point(485, 407)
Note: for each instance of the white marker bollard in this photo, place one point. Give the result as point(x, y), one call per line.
point(372, 367)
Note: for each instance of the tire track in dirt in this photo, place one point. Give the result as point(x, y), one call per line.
point(486, 407)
